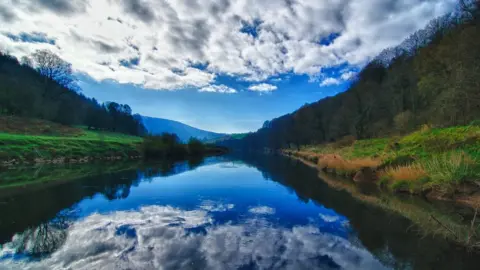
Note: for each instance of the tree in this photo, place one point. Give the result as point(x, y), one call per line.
point(195, 147)
point(26, 61)
point(53, 67)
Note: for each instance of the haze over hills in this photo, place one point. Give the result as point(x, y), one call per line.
point(157, 126)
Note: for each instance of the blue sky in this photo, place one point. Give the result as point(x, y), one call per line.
point(231, 113)
point(219, 65)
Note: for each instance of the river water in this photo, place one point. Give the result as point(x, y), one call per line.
point(219, 213)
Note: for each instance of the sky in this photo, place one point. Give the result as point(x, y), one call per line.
point(220, 65)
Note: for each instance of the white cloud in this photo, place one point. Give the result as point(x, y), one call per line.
point(218, 89)
point(168, 36)
point(262, 210)
point(348, 75)
point(263, 87)
point(330, 81)
point(212, 206)
point(329, 218)
point(165, 237)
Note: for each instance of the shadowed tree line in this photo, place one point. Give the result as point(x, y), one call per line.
point(43, 86)
point(169, 146)
point(431, 78)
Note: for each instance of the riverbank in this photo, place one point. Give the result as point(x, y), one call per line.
point(33, 141)
point(437, 163)
point(82, 147)
point(454, 222)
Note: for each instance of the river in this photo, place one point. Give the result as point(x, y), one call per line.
point(263, 212)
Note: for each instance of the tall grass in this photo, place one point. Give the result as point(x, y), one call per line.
point(411, 172)
point(346, 166)
point(452, 167)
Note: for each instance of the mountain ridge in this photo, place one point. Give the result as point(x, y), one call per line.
point(157, 126)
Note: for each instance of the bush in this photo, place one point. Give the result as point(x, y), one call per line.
point(475, 123)
point(404, 121)
point(163, 146)
point(401, 186)
point(195, 147)
point(344, 142)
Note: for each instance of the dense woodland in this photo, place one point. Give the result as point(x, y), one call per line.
point(43, 86)
point(432, 78)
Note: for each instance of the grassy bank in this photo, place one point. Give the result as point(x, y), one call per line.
point(37, 141)
point(18, 148)
point(437, 162)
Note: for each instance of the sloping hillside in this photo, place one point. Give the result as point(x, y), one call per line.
point(430, 79)
point(158, 126)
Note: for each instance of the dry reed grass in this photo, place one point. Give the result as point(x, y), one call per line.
point(412, 172)
point(336, 162)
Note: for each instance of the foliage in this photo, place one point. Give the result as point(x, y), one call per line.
point(195, 147)
point(169, 146)
point(440, 158)
point(163, 146)
point(431, 78)
point(44, 88)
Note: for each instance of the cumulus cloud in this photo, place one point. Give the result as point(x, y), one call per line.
point(250, 40)
point(218, 89)
point(330, 81)
point(264, 87)
point(171, 238)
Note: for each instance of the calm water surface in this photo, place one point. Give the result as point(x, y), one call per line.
point(222, 213)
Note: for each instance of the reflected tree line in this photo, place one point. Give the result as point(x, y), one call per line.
point(36, 222)
point(383, 232)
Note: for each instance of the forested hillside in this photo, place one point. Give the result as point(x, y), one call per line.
point(431, 78)
point(42, 86)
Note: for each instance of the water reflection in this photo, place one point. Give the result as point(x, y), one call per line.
point(174, 238)
point(44, 239)
point(213, 214)
point(23, 209)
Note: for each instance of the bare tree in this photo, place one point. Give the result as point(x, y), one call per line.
point(26, 61)
point(55, 68)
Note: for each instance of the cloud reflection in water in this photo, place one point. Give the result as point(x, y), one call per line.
point(164, 237)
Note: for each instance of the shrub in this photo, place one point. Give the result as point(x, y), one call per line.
point(344, 142)
point(475, 123)
point(401, 186)
point(404, 121)
point(195, 147)
point(425, 128)
point(163, 146)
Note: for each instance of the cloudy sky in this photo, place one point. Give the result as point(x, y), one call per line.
point(221, 65)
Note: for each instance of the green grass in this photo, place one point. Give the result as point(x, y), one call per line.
point(449, 156)
point(87, 143)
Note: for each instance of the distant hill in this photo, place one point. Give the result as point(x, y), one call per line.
point(158, 126)
point(227, 137)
